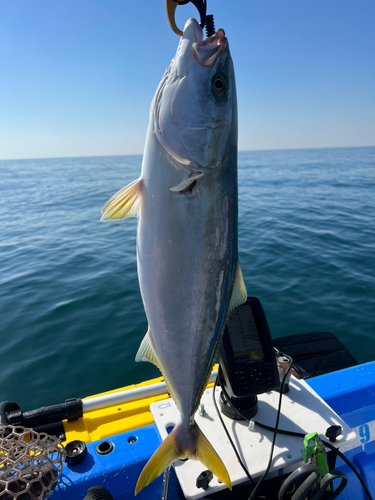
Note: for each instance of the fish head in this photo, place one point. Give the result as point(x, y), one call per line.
point(195, 107)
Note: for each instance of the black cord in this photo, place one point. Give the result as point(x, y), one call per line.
point(228, 435)
point(286, 433)
point(349, 464)
point(251, 497)
point(245, 418)
point(280, 431)
point(328, 445)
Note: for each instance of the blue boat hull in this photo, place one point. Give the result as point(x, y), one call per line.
point(349, 392)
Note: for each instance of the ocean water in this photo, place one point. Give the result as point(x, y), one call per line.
point(71, 315)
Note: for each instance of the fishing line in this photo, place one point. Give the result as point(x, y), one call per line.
point(164, 494)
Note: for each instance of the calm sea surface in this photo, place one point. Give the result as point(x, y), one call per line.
point(71, 315)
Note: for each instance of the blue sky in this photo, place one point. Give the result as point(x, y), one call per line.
point(77, 76)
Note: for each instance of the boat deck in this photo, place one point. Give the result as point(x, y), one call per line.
point(350, 393)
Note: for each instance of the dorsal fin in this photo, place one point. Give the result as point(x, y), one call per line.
point(125, 203)
point(239, 293)
point(238, 297)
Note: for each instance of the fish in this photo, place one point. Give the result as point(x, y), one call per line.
point(186, 201)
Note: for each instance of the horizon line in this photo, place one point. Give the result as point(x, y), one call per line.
point(141, 154)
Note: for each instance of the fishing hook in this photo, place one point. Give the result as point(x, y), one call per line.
point(171, 6)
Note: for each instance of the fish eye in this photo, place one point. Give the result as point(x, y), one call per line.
point(219, 85)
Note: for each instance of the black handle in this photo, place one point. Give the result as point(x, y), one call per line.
point(70, 410)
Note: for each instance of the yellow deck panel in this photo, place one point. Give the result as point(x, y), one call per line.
point(100, 424)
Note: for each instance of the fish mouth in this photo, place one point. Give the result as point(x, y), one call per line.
point(207, 51)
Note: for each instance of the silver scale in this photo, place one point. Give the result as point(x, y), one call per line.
point(302, 411)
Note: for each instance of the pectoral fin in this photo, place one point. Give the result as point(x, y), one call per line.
point(125, 203)
point(186, 184)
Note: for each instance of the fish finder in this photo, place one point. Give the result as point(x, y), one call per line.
point(247, 360)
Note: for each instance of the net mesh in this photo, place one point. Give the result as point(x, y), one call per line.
point(30, 463)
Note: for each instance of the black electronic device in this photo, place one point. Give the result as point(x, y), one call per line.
point(247, 359)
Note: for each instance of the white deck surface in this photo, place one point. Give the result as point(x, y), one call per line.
point(302, 410)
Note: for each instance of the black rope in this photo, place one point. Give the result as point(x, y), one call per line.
point(228, 435)
point(251, 497)
point(300, 435)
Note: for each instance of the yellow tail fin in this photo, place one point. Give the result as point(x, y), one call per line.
point(210, 459)
point(160, 460)
point(196, 446)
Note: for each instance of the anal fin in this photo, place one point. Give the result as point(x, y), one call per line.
point(146, 352)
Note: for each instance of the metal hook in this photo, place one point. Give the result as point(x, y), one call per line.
point(171, 6)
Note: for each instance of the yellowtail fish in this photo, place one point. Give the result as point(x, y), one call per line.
point(186, 202)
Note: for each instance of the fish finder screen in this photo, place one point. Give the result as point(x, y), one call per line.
point(244, 336)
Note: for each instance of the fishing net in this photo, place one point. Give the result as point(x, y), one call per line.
point(30, 463)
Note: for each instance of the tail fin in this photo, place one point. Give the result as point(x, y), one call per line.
point(197, 447)
point(206, 454)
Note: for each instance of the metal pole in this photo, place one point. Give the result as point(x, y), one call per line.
point(118, 398)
